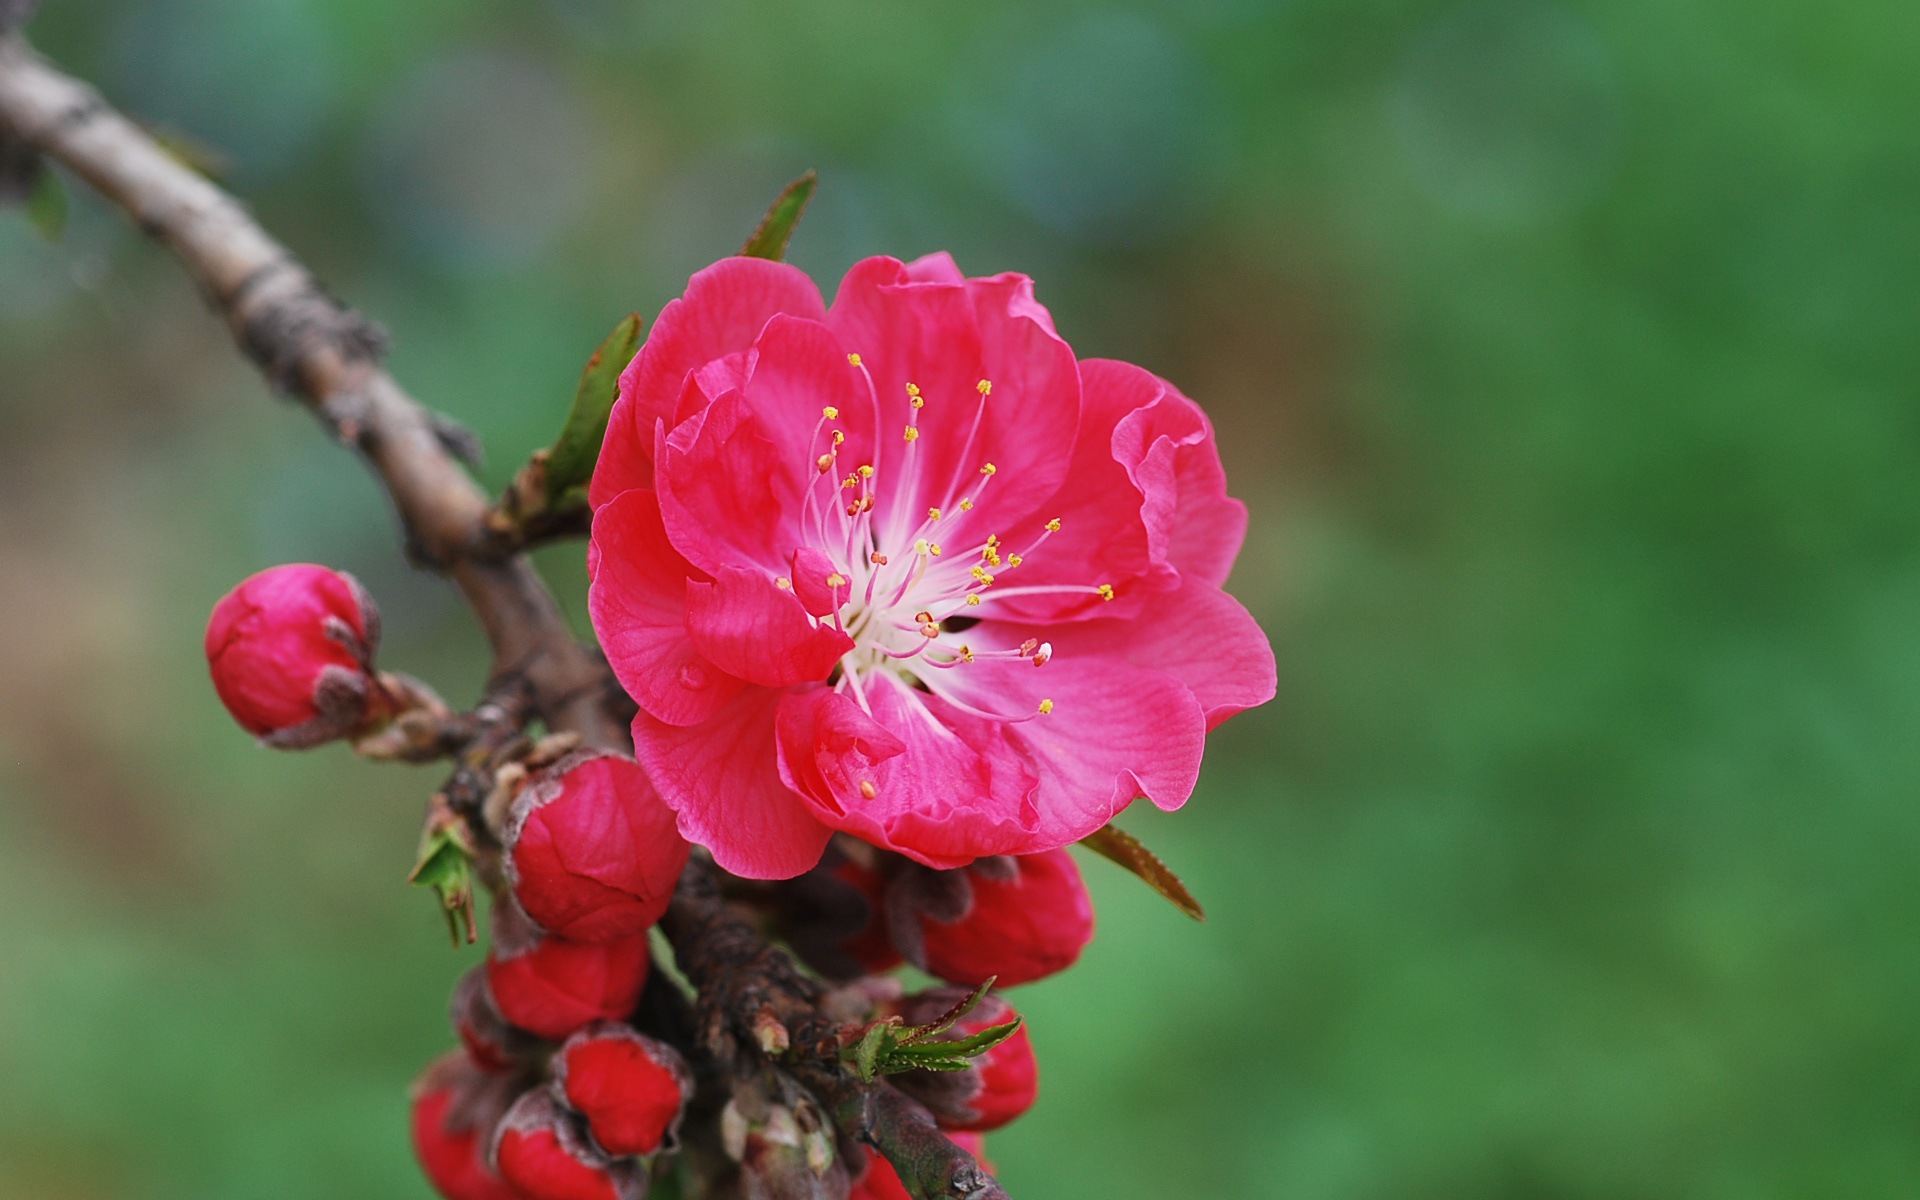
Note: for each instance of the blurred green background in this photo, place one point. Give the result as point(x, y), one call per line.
point(1565, 354)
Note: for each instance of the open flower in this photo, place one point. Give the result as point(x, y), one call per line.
point(907, 569)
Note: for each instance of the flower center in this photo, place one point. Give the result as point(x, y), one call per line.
point(906, 600)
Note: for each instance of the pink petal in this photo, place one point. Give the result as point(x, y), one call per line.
point(1197, 634)
point(728, 496)
point(724, 308)
point(1116, 732)
point(945, 337)
point(636, 598)
point(813, 573)
point(1168, 447)
point(947, 787)
point(722, 779)
point(752, 628)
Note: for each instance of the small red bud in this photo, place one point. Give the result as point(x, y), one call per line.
point(999, 1086)
point(549, 986)
point(454, 1108)
point(291, 653)
point(882, 1182)
point(629, 1088)
point(1022, 925)
point(592, 852)
point(540, 1151)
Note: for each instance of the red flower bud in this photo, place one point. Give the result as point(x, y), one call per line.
point(541, 1152)
point(291, 652)
point(882, 1182)
point(629, 1088)
point(1023, 923)
point(455, 1106)
point(550, 986)
point(999, 1086)
point(592, 853)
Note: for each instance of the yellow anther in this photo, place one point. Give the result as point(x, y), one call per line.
point(913, 390)
point(849, 481)
point(920, 546)
point(993, 557)
point(973, 600)
point(867, 789)
point(866, 471)
point(830, 413)
point(1053, 526)
point(933, 514)
point(839, 435)
point(782, 582)
point(933, 548)
point(836, 580)
point(853, 360)
point(966, 653)
point(980, 573)
point(988, 469)
point(919, 401)
point(1046, 706)
point(1013, 560)
point(1105, 590)
point(966, 506)
point(823, 462)
point(912, 434)
point(984, 386)
point(993, 539)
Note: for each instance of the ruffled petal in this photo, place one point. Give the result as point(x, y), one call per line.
point(724, 308)
point(722, 780)
point(728, 496)
point(750, 627)
point(636, 597)
point(947, 787)
point(1168, 448)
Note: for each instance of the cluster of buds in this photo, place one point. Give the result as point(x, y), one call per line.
point(560, 1090)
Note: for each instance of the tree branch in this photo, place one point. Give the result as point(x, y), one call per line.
point(313, 348)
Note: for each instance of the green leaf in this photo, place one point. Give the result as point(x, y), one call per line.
point(969, 1047)
point(921, 1033)
point(1122, 847)
point(776, 228)
point(47, 205)
point(569, 464)
point(446, 865)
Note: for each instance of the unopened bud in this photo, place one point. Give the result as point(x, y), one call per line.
point(545, 1156)
point(627, 1087)
point(550, 986)
point(592, 851)
point(291, 654)
point(1020, 924)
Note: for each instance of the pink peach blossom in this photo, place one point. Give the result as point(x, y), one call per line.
point(907, 569)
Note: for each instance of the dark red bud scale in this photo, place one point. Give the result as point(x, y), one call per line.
point(455, 1107)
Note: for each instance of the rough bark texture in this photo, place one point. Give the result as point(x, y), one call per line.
point(753, 999)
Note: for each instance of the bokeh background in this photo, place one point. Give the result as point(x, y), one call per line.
point(1566, 355)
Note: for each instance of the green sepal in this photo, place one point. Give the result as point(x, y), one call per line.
point(445, 864)
point(570, 462)
point(888, 1047)
point(776, 228)
point(1112, 842)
